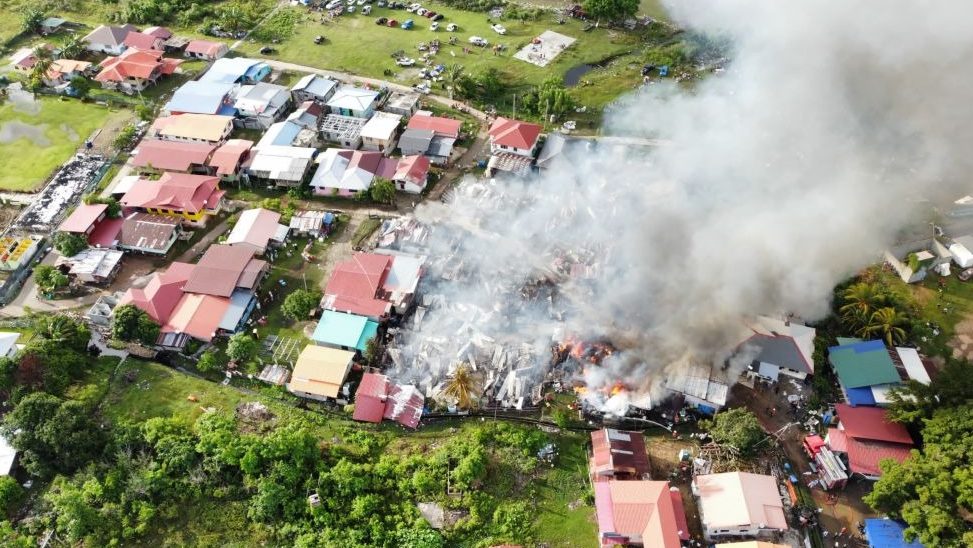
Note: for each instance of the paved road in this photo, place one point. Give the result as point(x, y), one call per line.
point(29, 298)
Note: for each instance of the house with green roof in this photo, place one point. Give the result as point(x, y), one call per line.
point(344, 331)
point(865, 371)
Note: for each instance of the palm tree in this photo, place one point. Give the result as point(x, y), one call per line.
point(889, 323)
point(860, 301)
point(57, 328)
point(461, 387)
point(73, 48)
point(452, 76)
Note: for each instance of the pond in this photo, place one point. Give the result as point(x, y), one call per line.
point(574, 74)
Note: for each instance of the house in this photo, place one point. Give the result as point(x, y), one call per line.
point(377, 398)
point(100, 312)
point(313, 87)
point(140, 40)
point(349, 172)
point(257, 229)
point(739, 504)
point(618, 455)
point(94, 265)
point(223, 269)
point(280, 134)
point(307, 115)
point(8, 344)
point(342, 130)
point(161, 294)
point(779, 347)
point(433, 136)
point(440, 126)
point(230, 158)
point(52, 25)
point(17, 250)
point(8, 456)
point(412, 174)
point(320, 372)
point(344, 331)
point(353, 101)
point(62, 71)
point(203, 317)
point(887, 533)
point(153, 155)
point(25, 59)
point(864, 437)
point(380, 131)
point(404, 104)
point(149, 234)
point(196, 97)
point(108, 39)
point(198, 128)
point(514, 137)
point(913, 261)
point(260, 105)
point(554, 148)
point(236, 70)
point(135, 70)
point(283, 166)
point(311, 223)
point(961, 250)
point(699, 387)
point(865, 371)
point(191, 198)
point(159, 32)
point(92, 222)
point(206, 50)
point(371, 284)
point(640, 513)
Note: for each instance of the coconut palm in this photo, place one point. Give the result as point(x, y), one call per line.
point(860, 301)
point(73, 48)
point(889, 323)
point(461, 387)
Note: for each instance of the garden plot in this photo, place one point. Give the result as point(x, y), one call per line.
point(545, 48)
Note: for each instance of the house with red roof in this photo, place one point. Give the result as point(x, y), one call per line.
point(865, 437)
point(140, 40)
point(412, 174)
point(206, 49)
point(373, 284)
point(135, 69)
point(92, 222)
point(343, 172)
point(640, 513)
point(160, 296)
point(440, 126)
point(191, 198)
point(230, 158)
point(618, 455)
point(514, 137)
point(378, 398)
point(153, 155)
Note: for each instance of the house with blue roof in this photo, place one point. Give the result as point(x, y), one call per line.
point(887, 533)
point(314, 87)
point(236, 70)
point(344, 331)
point(865, 371)
point(202, 98)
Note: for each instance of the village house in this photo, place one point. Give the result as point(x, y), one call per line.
point(739, 504)
point(307, 115)
point(342, 130)
point(403, 104)
point(108, 39)
point(96, 266)
point(258, 229)
point(349, 172)
point(191, 198)
point(314, 87)
point(913, 261)
point(225, 269)
point(866, 370)
point(51, 25)
point(148, 234)
point(161, 294)
point(781, 347)
point(62, 71)
point(618, 455)
point(380, 131)
point(197, 128)
point(344, 331)
point(154, 155)
point(412, 174)
point(8, 457)
point(143, 41)
point(377, 398)
point(311, 223)
point(373, 284)
point(281, 166)
point(8, 344)
point(206, 50)
point(281, 134)
point(159, 32)
point(320, 372)
point(700, 388)
point(93, 223)
point(640, 513)
point(353, 101)
point(25, 59)
point(135, 70)
point(260, 105)
point(196, 97)
point(514, 136)
point(864, 437)
point(236, 70)
point(230, 159)
point(431, 136)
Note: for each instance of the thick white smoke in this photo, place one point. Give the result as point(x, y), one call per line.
point(785, 174)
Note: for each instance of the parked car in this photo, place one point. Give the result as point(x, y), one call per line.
point(393, 23)
point(408, 24)
point(381, 21)
point(405, 61)
point(332, 4)
point(380, 3)
point(478, 41)
point(452, 27)
point(438, 17)
point(366, 10)
point(421, 88)
point(430, 14)
point(319, 39)
point(499, 29)
point(434, 26)
point(351, 9)
point(410, 9)
point(266, 50)
point(965, 275)
point(422, 11)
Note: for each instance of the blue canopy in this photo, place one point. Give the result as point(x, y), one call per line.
point(887, 533)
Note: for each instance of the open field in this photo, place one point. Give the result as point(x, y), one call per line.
point(37, 137)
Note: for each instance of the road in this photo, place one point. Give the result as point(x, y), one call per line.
point(28, 297)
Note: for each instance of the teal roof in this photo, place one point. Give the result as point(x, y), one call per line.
point(844, 341)
point(344, 330)
point(861, 364)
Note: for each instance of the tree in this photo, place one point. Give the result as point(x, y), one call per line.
point(932, 491)
point(209, 361)
point(124, 137)
point(461, 387)
point(144, 112)
point(382, 191)
point(114, 208)
point(859, 302)
point(69, 244)
point(11, 495)
point(31, 19)
point(131, 323)
point(737, 427)
point(63, 330)
point(81, 86)
point(914, 401)
point(49, 279)
point(549, 98)
point(73, 48)
point(373, 352)
point(612, 10)
point(241, 347)
point(299, 304)
point(888, 323)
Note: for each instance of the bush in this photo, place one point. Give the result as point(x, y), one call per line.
point(69, 244)
point(11, 495)
point(130, 323)
point(299, 304)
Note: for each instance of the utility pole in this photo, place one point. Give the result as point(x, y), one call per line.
point(304, 277)
point(515, 106)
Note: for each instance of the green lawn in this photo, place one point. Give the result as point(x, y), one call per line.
point(59, 127)
point(557, 523)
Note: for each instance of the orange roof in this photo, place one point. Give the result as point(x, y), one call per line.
point(354, 285)
point(205, 47)
point(60, 67)
point(514, 133)
point(229, 155)
point(161, 295)
point(174, 155)
point(141, 40)
point(446, 127)
point(637, 512)
point(136, 63)
point(176, 191)
point(197, 315)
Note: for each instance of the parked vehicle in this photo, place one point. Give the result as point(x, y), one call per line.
point(266, 50)
point(434, 26)
point(452, 27)
point(405, 62)
point(351, 9)
point(332, 4)
point(381, 21)
point(380, 3)
point(438, 17)
point(367, 10)
point(408, 24)
point(422, 88)
point(965, 275)
point(499, 29)
point(319, 39)
point(430, 14)
point(411, 9)
point(393, 23)
point(478, 41)
point(422, 11)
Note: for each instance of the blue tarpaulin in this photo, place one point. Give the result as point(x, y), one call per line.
point(886, 533)
point(861, 396)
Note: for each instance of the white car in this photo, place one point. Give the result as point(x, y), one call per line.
point(422, 88)
point(434, 26)
point(499, 29)
point(477, 41)
point(333, 4)
point(452, 27)
point(421, 11)
point(366, 10)
point(406, 62)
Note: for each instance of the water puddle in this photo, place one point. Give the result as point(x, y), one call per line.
point(22, 101)
point(15, 129)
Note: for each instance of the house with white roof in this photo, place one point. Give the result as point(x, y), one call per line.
point(236, 70)
point(350, 172)
point(202, 98)
point(8, 457)
point(314, 87)
point(961, 251)
point(258, 229)
point(283, 166)
point(8, 343)
point(779, 346)
point(739, 504)
point(353, 101)
point(260, 105)
point(380, 132)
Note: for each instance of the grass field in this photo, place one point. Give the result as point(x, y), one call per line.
point(33, 144)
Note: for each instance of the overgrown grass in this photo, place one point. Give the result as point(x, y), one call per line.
point(365, 229)
point(557, 523)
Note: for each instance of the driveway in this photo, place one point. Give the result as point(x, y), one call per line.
point(28, 297)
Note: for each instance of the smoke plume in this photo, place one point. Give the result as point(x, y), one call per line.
point(783, 175)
